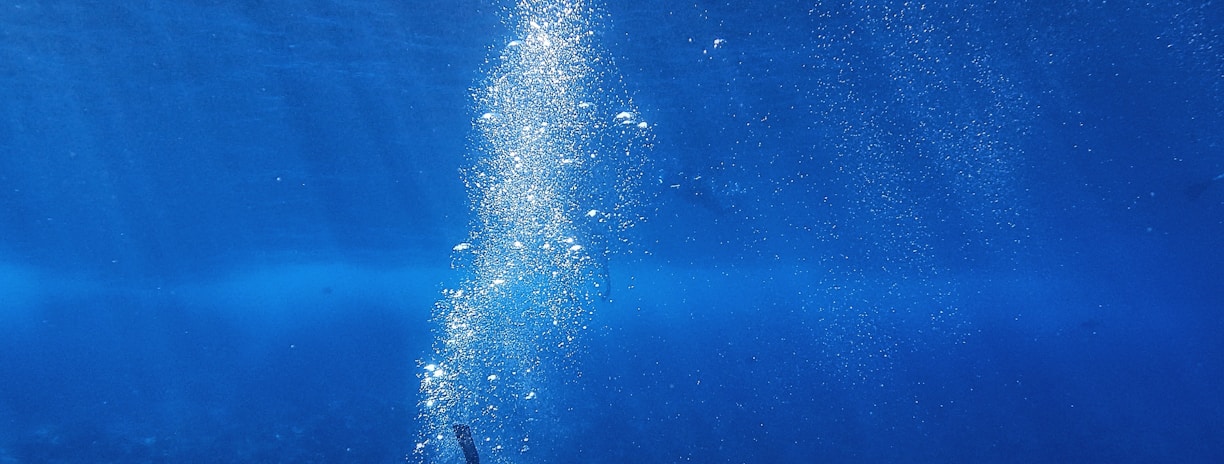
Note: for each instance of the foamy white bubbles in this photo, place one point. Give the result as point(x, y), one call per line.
point(558, 149)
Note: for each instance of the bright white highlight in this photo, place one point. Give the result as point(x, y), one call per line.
point(558, 152)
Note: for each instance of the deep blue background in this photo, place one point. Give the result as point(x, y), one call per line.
point(224, 228)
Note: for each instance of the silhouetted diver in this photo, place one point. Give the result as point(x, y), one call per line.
point(464, 434)
point(1195, 191)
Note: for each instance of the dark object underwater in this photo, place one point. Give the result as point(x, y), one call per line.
point(464, 434)
point(1195, 191)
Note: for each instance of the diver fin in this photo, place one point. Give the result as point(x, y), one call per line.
point(464, 434)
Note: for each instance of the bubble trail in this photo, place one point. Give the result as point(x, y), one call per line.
point(558, 153)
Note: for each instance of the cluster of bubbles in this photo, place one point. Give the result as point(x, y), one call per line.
point(921, 121)
point(558, 148)
point(930, 133)
point(1193, 32)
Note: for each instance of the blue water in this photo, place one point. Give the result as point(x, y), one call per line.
point(867, 232)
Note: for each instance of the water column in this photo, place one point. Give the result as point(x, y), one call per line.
point(557, 151)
